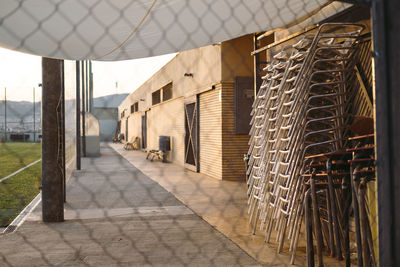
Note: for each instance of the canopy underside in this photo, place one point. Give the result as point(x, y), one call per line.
point(125, 29)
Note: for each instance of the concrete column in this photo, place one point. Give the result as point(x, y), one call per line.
point(52, 178)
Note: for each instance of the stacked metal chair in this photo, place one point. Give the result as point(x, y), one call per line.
point(299, 111)
point(362, 172)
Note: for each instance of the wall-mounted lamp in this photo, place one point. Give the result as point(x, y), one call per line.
point(188, 74)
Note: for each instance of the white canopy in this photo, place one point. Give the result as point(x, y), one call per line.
point(127, 29)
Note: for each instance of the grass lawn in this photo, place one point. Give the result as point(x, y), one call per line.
point(18, 191)
point(14, 156)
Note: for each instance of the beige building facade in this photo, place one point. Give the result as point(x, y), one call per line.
point(193, 99)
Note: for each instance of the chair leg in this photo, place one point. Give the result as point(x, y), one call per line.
point(346, 212)
point(330, 226)
point(354, 190)
point(309, 235)
point(317, 222)
point(334, 212)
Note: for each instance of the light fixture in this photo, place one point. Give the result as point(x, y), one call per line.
point(188, 74)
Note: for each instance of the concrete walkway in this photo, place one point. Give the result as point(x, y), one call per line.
point(223, 204)
point(117, 216)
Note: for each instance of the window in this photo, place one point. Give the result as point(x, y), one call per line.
point(156, 97)
point(135, 107)
point(163, 94)
point(167, 92)
point(123, 114)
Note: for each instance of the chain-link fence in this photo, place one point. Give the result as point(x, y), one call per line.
point(253, 145)
point(20, 120)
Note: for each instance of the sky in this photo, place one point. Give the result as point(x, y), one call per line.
point(125, 76)
point(20, 73)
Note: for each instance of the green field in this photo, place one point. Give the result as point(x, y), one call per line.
point(17, 191)
point(14, 156)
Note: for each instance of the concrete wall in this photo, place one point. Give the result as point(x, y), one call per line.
point(168, 119)
point(211, 66)
point(236, 59)
point(135, 126)
point(92, 131)
point(108, 118)
point(205, 65)
point(107, 130)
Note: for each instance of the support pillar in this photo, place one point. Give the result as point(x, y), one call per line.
point(52, 177)
point(386, 26)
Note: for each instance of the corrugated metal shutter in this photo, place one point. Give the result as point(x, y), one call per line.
point(211, 134)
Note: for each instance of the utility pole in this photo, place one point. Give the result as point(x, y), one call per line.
point(34, 116)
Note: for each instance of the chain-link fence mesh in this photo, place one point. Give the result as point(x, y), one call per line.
point(253, 145)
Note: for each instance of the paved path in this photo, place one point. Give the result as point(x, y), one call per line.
point(223, 204)
point(117, 216)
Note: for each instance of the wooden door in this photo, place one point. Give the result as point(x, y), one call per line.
point(144, 130)
point(126, 130)
point(192, 136)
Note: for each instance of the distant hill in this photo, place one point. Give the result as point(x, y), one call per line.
point(20, 111)
point(109, 101)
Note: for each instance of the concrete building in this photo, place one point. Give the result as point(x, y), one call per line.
point(202, 100)
point(105, 109)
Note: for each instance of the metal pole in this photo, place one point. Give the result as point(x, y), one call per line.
point(78, 117)
point(52, 179)
point(87, 84)
point(83, 111)
point(34, 116)
point(5, 114)
point(256, 62)
point(90, 87)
